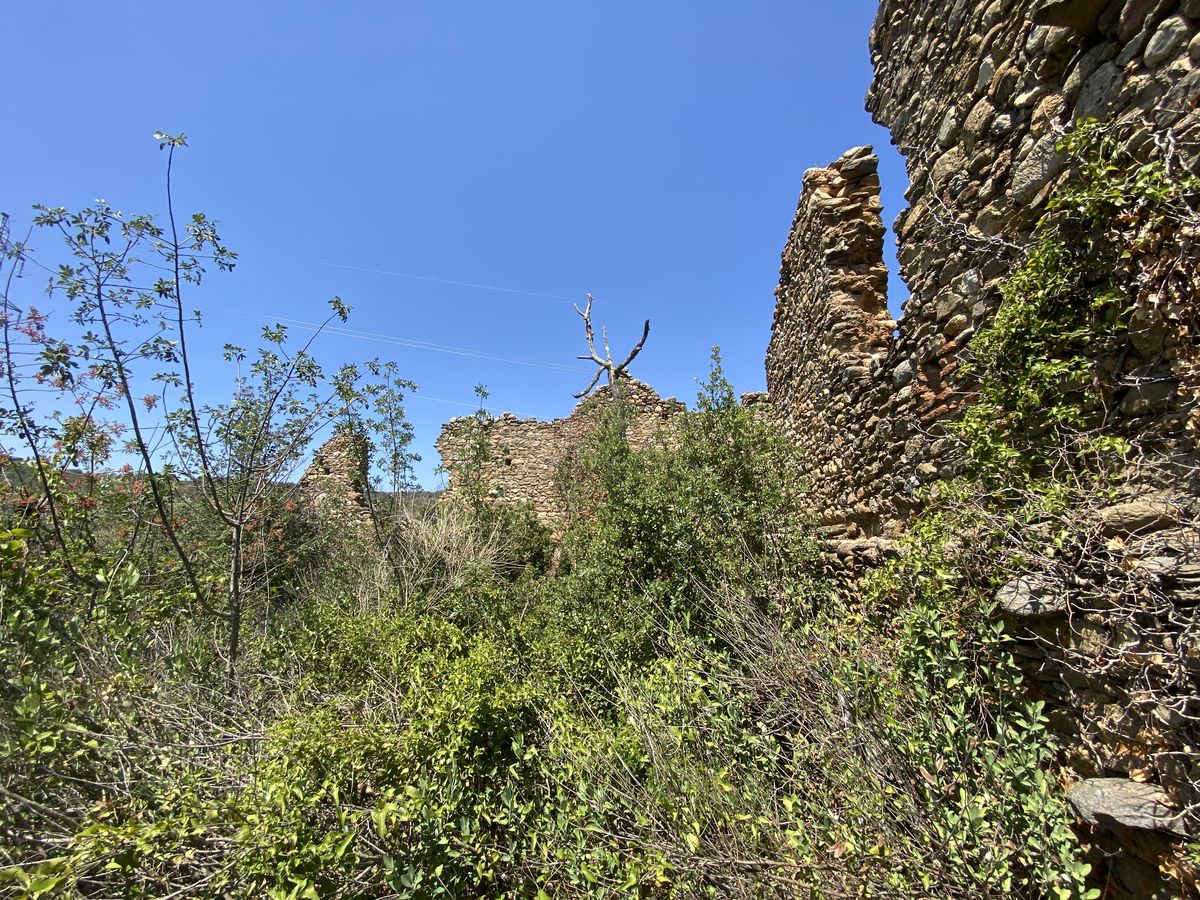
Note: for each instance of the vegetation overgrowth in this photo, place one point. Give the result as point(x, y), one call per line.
point(204, 694)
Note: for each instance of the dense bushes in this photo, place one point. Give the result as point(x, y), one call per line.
point(712, 501)
point(669, 703)
point(682, 709)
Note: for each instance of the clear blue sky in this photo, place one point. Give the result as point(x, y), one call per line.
point(650, 153)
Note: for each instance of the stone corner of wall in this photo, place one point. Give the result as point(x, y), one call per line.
point(333, 488)
point(833, 280)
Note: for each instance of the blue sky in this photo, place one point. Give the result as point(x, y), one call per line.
point(515, 156)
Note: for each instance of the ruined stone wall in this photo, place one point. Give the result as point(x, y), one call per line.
point(977, 94)
point(333, 489)
point(830, 334)
point(525, 455)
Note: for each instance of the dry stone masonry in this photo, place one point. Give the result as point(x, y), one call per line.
point(333, 489)
point(830, 334)
point(525, 455)
point(977, 95)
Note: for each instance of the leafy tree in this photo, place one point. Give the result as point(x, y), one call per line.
point(126, 286)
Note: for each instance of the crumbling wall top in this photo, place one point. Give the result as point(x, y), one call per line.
point(525, 455)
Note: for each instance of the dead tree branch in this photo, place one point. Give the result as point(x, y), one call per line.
point(605, 363)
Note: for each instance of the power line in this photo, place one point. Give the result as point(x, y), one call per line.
point(395, 340)
point(483, 287)
point(360, 334)
point(471, 285)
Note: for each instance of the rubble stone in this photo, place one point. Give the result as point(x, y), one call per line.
point(1121, 803)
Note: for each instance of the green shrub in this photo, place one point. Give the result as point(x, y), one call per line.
point(1048, 362)
point(675, 706)
point(711, 502)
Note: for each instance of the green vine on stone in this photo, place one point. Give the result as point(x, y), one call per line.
point(1049, 361)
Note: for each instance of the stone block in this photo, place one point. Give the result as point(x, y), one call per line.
point(1138, 516)
point(949, 130)
point(1147, 398)
point(1121, 803)
point(1043, 164)
point(1169, 39)
point(1134, 16)
point(1033, 596)
point(1081, 16)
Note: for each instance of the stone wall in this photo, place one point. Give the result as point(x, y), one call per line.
point(525, 455)
point(333, 489)
point(830, 334)
point(976, 94)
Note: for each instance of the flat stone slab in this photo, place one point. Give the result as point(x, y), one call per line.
point(1078, 14)
point(1121, 803)
point(1032, 596)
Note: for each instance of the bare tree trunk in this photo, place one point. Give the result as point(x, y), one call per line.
point(235, 598)
point(605, 363)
